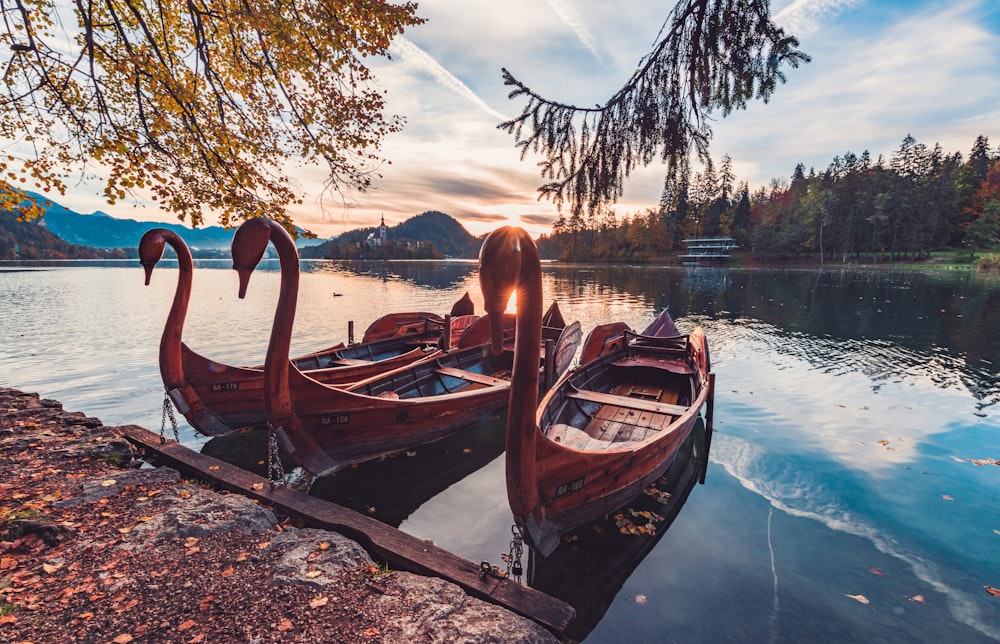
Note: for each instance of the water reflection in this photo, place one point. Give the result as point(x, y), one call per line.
point(850, 408)
point(391, 489)
point(427, 274)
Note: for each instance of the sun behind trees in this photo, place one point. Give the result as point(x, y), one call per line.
point(202, 103)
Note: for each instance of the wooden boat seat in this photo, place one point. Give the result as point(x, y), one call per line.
point(569, 436)
point(629, 402)
point(671, 365)
point(471, 376)
point(349, 362)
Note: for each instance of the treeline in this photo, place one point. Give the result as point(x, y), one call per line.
point(920, 199)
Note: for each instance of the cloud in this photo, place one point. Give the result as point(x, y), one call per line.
point(418, 57)
point(571, 18)
point(930, 74)
point(806, 16)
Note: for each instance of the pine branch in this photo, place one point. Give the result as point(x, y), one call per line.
point(710, 55)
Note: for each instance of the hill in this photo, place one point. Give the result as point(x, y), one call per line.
point(32, 240)
point(442, 232)
point(103, 231)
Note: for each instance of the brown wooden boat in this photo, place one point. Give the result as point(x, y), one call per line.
point(608, 428)
point(216, 398)
point(589, 568)
point(326, 428)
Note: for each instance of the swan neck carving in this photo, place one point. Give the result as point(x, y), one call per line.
point(248, 248)
point(508, 262)
point(151, 248)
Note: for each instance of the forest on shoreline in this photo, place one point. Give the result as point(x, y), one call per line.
point(919, 200)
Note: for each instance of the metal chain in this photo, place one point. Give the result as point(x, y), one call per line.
point(168, 412)
point(275, 470)
point(512, 559)
point(514, 568)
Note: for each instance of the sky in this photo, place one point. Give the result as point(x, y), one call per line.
point(880, 70)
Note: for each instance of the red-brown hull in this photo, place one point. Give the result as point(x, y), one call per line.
point(578, 485)
point(217, 398)
point(331, 428)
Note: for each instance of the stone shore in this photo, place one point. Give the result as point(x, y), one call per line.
point(97, 546)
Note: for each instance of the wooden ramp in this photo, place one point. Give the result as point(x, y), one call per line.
point(381, 541)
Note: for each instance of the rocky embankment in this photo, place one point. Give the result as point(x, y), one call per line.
point(96, 546)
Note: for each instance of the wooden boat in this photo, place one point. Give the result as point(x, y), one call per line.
point(588, 570)
point(608, 428)
point(216, 398)
point(325, 428)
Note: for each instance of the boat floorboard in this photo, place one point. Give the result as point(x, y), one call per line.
point(380, 540)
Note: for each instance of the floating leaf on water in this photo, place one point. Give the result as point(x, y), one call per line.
point(640, 599)
point(996, 532)
point(993, 591)
point(861, 599)
point(947, 497)
point(877, 571)
point(917, 598)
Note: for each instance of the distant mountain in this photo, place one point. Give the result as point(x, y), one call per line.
point(447, 235)
point(100, 230)
point(67, 233)
point(32, 240)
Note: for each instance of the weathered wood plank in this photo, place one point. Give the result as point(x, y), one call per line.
point(471, 376)
point(381, 541)
point(625, 401)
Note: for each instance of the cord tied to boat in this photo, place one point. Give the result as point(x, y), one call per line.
point(275, 470)
point(168, 412)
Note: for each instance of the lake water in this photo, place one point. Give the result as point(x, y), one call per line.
point(843, 500)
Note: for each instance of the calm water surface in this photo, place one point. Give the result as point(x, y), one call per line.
point(850, 407)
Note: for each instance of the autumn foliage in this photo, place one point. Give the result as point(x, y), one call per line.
point(202, 105)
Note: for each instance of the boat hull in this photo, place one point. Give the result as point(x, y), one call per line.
point(601, 448)
point(332, 428)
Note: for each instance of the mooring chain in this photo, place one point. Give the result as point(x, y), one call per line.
point(275, 471)
point(168, 412)
point(513, 559)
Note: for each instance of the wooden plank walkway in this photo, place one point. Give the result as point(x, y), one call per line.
point(381, 541)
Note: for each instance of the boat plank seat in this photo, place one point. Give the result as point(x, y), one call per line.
point(666, 364)
point(569, 436)
point(471, 376)
point(618, 424)
point(627, 402)
point(349, 362)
